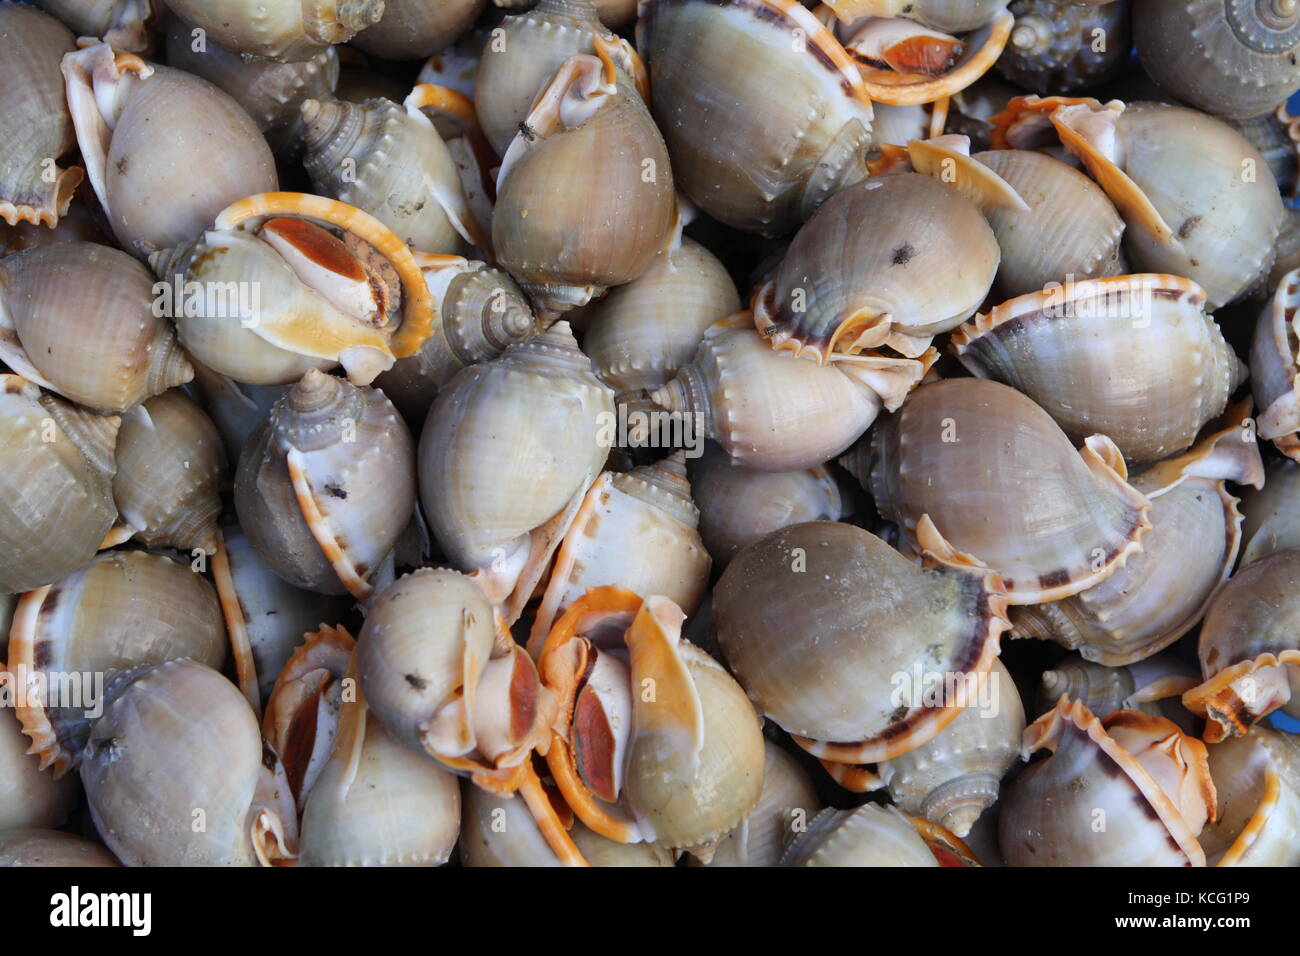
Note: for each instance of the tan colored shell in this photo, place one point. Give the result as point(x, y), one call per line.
point(146, 183)
point(1067, 519)
point(29, 796)
point(1161, 593)
point(1130, 791)
point(37, 847)
point(410, 29)
point(1053, 47)
point(270, 92)
point(587, 147)
point(1071, 228)
point(1250, 648)
point(97, 339)
point(122, 610)
point(954, 16)
point(170, 467)
point(1258, 782)
point(1231, 58)
point(51, 450)
point(326, 485)
point(739, 506)
point(843, 289)
point(35, 118)
point(1275, 367)
point(774, 413)
point(1097, 355)
point(177, 745)
point(817, 620)
point(283, 30)
point(1153, 685)
point(871, 835)
point(757, 150)
point(122, 23)
point(1272, 513)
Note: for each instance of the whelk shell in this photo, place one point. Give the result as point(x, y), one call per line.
point(1153, 685)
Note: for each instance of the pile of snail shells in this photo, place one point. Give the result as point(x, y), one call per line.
point(675, 433)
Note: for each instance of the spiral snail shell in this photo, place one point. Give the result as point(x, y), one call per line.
point(1065, 47)
point(1153, 685)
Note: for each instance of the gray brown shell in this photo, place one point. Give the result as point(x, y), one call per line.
point(1275, 367)
point(1153, 685)
point(1063, 47)
point(284, 30)
point(29, 796)
point(410, 29)
point(871, 835)
point(1272, 513)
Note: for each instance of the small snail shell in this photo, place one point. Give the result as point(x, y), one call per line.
point(146, 183)
point(758, 150)
point(35, 118)
point(1132, 790)
point(270, 92)
point(37, 847)
point(29, 796)
point(499, 831)
point(97, 339)
point(1062, 47)
point(411, 29)
point(1075, 518)
point(1154, 685)
point(388, 160)
point(1161, 593)
point(953, 778)
point(1097, 354)
point(1222, 56)
point(1070, 229)
point(1258, 782)
point(326, 485)
point(122, 610)
point(283, 30)
point(739, 506)
point(538, 406)
point(871, 835)
point(170, 467)
point(1275, 367)
point(178, 743)
point(924, 268)
point(773, 413)
point(123, 24)
point(1250, 648)
point(1272, 513)
point(556, 232)
point(51, 451)
point(787, 803)
point(679, 766)
point(867, 615)
point(1213, 216)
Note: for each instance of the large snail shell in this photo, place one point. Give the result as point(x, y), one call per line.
point(521, 56)
point(29, 796)
point(148, 184)
point(80, 319)
point(37, 847)
point(871, 835)
point(774, 413)
point(123, 609)
point(923, 268)
point(1258, 782)
point(1250, 648)
point(1065, 519)
point(1154, 685)
point(281, 29)
point(1063, 47)
point(1161, 593)
point(1231, 57)
point(499, 831)
point(739, 506)
point(326, 485)
point(388, 160)
point(270, 92)
point(1071, 228)
point(566, 237)
point(170, 466)
point(1098, 355)
point(56, 485)
point(123, 24)
point(38, 129)
point(1272, 513)
point(865, 615)
point(509, 443)
point(759, 150)
point(1275, 367)
point(410, 29)
point(179, 745)
point(1128, 791)
point(1198, 199)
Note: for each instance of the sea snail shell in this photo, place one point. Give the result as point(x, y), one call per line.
point(326, 485)
point(1272, 513)
point(1275, 367)
point(37, 847)
point(871, 835)
point(411, 29)
point(281, 29)
point(1258, 782)
point(123, 24)
point(29, 796)
point(1153, 685)
point(954, 16)
point(1065, 47)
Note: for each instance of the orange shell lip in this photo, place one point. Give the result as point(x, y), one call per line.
point(983, 47)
